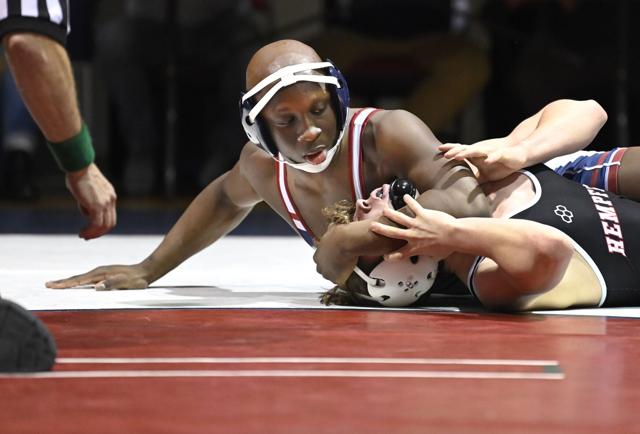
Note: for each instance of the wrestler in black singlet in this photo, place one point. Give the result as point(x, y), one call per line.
point(604, 225)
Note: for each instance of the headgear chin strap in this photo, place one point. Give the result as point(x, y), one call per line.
point(258, 132)
point(314, 168)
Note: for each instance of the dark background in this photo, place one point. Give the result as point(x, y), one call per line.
point(158, 83)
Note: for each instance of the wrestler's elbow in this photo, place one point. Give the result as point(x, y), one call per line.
point(469, 200)
point(474, 204)
point(596, 112)
point(551, 252)
point(481, 206)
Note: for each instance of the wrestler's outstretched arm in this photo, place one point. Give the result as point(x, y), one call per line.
point(219, 208)
point(406, 148)
point(561, 127)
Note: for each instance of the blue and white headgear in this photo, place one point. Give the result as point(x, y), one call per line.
point(258, 132)
point(399, 283)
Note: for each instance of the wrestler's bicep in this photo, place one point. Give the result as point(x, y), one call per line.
point(238, 189)
point(493, 287)
point(485, 280)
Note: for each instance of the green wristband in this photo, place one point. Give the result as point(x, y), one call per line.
point(75, 153)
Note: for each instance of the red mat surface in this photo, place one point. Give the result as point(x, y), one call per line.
point(454, 373)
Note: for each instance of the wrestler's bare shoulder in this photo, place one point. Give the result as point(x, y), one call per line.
point(393, 129)
point(255, 164)
point(391, 120)
point(390, 123)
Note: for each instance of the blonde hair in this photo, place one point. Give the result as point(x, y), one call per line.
point(342, 213)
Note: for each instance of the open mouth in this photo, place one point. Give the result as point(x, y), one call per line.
point(317, 157)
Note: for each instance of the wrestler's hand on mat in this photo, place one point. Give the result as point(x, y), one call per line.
point(333, 262)
point(426, 233)
point(96, 199)
point(493, 159)
point(107, 278)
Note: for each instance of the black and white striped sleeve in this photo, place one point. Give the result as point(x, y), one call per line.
point(46, 17)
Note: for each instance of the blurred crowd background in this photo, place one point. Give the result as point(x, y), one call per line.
point(159, 80)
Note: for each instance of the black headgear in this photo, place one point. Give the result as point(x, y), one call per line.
point(399, 187)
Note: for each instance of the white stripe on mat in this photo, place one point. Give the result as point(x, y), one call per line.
point(292, 373)
point(334, 360)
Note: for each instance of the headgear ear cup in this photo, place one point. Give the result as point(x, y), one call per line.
point(256, 131)
point(398, 189)
point(340, 98)
point(248, 126)
point(399, 283)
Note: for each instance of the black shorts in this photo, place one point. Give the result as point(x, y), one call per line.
point(45, 17)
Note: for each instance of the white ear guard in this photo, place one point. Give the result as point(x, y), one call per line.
point(400, 283)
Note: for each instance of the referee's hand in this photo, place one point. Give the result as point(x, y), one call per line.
point(96, 199)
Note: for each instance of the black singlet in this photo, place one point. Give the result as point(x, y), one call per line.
point(605, 229)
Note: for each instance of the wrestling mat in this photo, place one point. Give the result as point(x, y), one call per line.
point(237, 272)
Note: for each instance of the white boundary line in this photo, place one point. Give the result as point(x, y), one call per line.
point(292, 373)
point(559, 375)
point(283, 360)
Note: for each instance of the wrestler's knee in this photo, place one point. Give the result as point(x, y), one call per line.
point(629, 174)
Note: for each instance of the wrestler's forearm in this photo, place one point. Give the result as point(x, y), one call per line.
point(43, 74)
point(562, 127)
point(466, 201)
point(209, 217)
point(532, 255)
point(358, 240)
